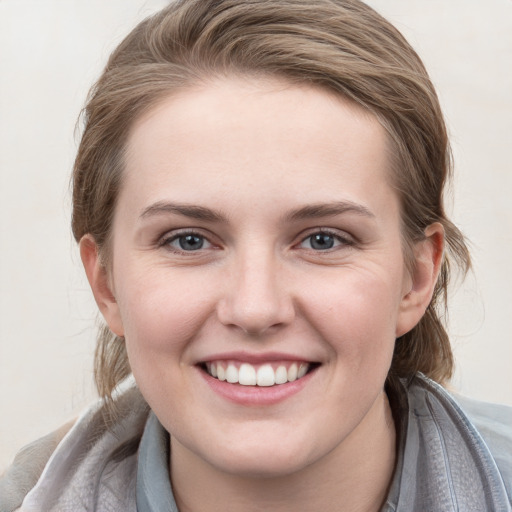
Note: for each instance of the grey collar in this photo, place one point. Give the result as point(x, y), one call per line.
point(442, 461)
point(154, 493)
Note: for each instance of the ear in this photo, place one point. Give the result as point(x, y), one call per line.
point(428, 257)
point(99, 281)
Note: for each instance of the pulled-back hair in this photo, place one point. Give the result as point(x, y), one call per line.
point(343, 46)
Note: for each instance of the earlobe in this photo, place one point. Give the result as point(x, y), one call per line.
point(98, 278)
point(428, 257)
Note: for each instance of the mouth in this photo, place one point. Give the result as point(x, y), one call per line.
point(270, 374)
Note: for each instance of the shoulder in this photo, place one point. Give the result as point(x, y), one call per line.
point(92, 459)
point(494, 424)
point(481, 431)
point(27, 467)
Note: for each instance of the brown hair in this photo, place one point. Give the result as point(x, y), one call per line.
point(341, 45)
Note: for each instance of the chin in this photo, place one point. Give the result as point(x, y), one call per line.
point(264, 465)
point(266, 456)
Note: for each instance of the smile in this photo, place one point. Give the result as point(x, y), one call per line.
point(263, 375)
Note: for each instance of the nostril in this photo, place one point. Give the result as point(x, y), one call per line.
point(255, 321)
point(256, 301)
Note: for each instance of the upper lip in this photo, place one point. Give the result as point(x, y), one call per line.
point(255, 357)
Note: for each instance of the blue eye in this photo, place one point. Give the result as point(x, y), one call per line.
point(323, 241)
point(191, 242)
point(188, 242)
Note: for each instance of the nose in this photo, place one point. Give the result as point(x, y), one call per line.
point(256, 298)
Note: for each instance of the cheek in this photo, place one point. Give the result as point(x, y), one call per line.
point(161, 311)
point(161, 316)
point(357, 314)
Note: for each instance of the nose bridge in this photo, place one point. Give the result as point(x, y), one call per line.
point(256, 297)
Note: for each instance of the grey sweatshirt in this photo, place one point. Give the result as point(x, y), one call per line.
point(453, 455)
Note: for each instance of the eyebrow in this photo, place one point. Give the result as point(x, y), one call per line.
point(329, 210)
point(306, 212)
point(192, 211)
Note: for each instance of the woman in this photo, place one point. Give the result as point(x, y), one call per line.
point(258, 202)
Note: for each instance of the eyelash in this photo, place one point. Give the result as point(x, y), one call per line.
point(167, 240)
point(345, 241)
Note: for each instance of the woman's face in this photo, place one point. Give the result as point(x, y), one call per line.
point(256, 237)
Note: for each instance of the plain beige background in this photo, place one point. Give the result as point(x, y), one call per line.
point(50, 53)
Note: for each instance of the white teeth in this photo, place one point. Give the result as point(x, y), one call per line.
point(248, 375)
point(232, 373)
point(292, 373)
point(281, 375)
point(265, 376)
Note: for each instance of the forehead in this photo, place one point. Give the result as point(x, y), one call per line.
point(247, 136)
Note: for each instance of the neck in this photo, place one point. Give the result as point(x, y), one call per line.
point(355, 476)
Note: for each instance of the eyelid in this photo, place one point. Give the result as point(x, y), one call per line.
point(345, 238)
point(342, 236)
point(169, 236)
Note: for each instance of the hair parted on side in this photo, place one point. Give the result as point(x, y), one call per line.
point(340, 45)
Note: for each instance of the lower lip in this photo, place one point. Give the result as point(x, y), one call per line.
point(256, 395)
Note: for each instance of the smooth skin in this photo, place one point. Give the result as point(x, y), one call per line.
point(257, 216)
